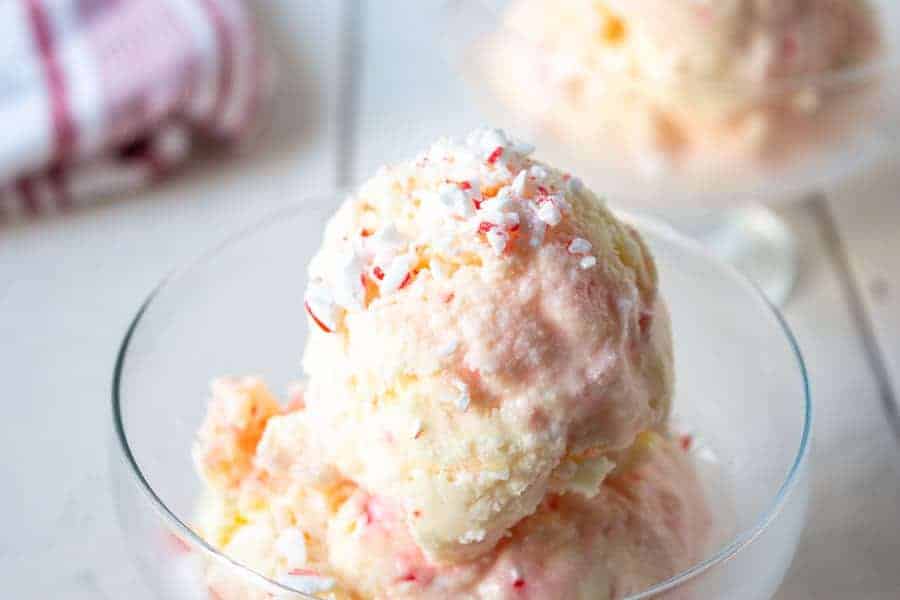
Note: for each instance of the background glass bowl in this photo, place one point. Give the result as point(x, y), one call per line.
point(741, 388)
point(855, 121)
point(718, 199)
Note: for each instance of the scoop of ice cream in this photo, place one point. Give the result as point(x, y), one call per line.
point(485, 331)
point(646, 523)
point(735, 41)
point(642, 527)
point(677, 77)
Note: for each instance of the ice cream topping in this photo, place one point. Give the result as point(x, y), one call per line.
point(493, 194)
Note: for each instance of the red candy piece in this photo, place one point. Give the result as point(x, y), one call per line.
point(316, 319)
point(495, 155)
point(644, 322)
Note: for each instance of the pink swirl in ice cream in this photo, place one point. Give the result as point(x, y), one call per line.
point(488, 354)
point(493, 332)
point(638, 530)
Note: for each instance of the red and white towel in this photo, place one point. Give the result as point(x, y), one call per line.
point(99, 96)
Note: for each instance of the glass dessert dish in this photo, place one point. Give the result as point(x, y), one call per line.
point(707, 154)
point(741, 392)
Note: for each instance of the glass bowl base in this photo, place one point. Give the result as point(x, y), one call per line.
point(753, 239)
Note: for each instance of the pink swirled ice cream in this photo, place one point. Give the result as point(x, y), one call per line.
point(488, 382)
point(680, 82)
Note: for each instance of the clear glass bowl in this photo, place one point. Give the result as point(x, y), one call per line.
point(820, 129)
point(742, 389)
point(855, 119)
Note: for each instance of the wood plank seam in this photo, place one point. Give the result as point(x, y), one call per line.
point(840, 259)
point(349, 90)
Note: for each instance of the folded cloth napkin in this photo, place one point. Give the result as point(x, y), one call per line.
point(99, 96)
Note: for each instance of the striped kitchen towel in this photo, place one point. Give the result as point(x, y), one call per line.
point(101, 96)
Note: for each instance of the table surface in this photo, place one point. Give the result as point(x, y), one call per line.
point(362, 84)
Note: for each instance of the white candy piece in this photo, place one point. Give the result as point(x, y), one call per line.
point(538, 172)
point(448, 349)
point(321, 304)
point(348, 289)
point(587, 262)
point(549, 213)
point(510, 219)
point(386, 240)
point(498, 239)
point(520, 185)
point(456, 200)
point(491, 139)
point(473, 536)
point(498, 203)
point(538, 229)
point(395, 274)
point(579, 246)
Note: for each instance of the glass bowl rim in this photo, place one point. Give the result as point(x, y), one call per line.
point(657, 228)
point(883, 60)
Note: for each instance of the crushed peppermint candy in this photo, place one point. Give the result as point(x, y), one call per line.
point(579, 246)
point(459, 201)
point(484, 186)
point(498, 239)
point(306, 581)
point(489, 139)
point(473, 536)
point(397, 274)
point(549, 213)
point(348, 289)
point(495, 155)
point(520, 186)
point(385, 244)
point(496, 210)
point(538, 173)
point(321, 307)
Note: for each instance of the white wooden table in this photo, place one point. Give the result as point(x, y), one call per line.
point(363, 83)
